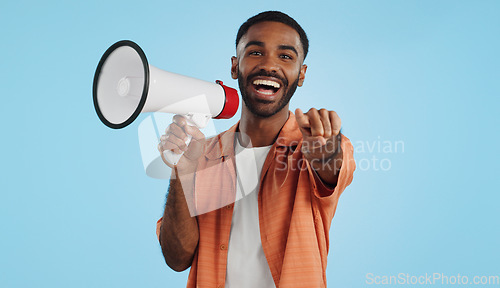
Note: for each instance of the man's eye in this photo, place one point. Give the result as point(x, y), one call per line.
point(285, 56)
point(255, 53)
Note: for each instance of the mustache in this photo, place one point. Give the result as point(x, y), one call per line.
point(268, 74)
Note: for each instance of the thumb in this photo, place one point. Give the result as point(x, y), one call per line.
point(302, 120)
point(194, 132)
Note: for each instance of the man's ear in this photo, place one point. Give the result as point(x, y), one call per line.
point(302, 74)
point(234, 67)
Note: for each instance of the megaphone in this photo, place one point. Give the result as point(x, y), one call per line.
point(125, 85)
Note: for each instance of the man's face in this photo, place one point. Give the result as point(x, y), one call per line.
point(268, 67)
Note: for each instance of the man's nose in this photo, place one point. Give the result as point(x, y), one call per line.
point(269, 64)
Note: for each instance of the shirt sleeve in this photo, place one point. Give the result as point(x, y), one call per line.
point(345, 175)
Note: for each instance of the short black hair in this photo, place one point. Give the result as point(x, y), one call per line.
point(274, 16)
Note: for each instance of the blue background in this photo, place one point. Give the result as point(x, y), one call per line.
point(77, 210)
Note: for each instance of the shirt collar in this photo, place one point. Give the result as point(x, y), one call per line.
point(289, 136)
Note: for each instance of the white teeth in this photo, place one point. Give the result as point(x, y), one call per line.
point(267, 83)
point(266, 92)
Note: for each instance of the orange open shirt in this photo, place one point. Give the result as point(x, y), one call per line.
point(295, 211)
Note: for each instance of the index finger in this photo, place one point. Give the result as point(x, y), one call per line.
point(180, 120)
point(317, 128)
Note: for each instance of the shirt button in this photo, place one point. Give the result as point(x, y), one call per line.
point(229, 207)
point(223, 247)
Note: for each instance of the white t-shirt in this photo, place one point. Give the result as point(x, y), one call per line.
point(246, 263)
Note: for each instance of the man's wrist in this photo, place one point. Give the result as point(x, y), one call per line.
point(331, 163)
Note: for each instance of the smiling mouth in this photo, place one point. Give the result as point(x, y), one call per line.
point(266, 87)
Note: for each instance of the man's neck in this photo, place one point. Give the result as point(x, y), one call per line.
point(257, 131)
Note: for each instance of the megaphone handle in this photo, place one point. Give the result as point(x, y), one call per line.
point(173, 158)
point(197, 120)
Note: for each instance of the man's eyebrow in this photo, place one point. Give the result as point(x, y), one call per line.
point(257, 43)
point(288, 47)
point(280, 47)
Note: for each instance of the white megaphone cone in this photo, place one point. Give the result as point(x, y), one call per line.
point(125, 85)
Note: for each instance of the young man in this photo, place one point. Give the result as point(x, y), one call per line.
point(277, 235)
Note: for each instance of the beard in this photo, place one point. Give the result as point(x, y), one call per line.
point(265, 108)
